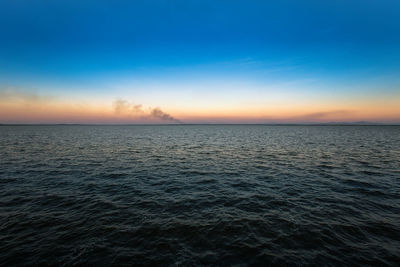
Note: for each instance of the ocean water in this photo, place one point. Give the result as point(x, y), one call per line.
point(199, 195)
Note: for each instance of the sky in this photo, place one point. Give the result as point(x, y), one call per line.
point(203, 61)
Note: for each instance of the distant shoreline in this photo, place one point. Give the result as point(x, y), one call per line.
point(199, 124)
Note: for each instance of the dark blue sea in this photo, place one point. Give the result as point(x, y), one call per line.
point(187, 195)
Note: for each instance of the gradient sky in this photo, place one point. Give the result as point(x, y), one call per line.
point(199, 61)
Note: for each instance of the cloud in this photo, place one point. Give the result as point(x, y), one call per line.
point(15, 94)
point(325, 114)
point(124, 107)
point(158, 113)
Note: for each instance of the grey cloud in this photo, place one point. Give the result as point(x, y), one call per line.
point(158, 113)
point(324, 114)
point(124, 107)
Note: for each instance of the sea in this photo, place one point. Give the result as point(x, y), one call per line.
point(199, 195)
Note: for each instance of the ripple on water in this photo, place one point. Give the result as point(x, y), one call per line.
point(199, 195)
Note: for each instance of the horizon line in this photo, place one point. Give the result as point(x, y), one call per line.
point(194, 124)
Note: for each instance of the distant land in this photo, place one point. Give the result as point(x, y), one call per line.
point(333, 123)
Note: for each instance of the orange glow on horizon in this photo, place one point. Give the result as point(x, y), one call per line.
point(56, 111)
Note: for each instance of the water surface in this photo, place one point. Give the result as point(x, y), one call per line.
point(199, 195)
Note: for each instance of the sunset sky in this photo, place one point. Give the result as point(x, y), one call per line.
point(199, 61)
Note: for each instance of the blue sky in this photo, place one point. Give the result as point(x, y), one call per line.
point(251, 50)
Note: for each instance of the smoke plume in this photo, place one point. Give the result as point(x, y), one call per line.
point(158, 113)
point(124, 107)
